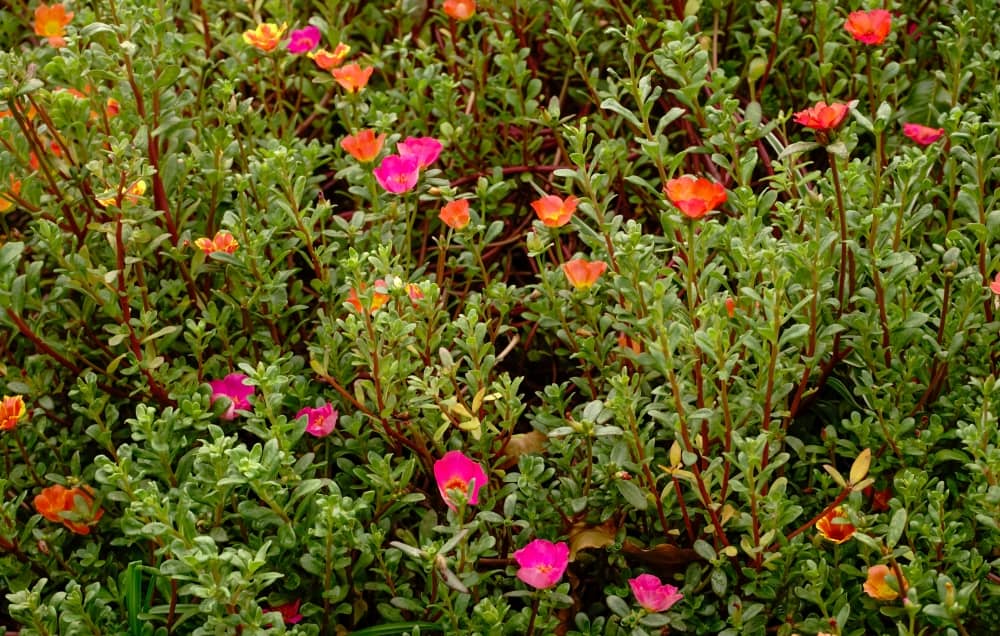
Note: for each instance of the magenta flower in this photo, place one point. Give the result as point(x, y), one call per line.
point(234, 388)
point(322, 420)
point(455, 471)
point(652, 594)
point(289, 612)
point(398, 174)
point(542, 563)
point(425, 149)
point(923, 135)
point(304, 40)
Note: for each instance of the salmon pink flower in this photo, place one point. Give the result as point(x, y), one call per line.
point(7, 198)
point(455, 214)
point(459, 9)
point(11, 410)
point(869, 27)
point(363, 146)
point(995, 285)
point(554, 211)
point(265, 37)
point(223, 241)
point(379, 298)
point(834, 526)
point(455, 471)
point(822, 117)
point(652, 594)
point(923, 135)
point(582, 274)
point(234, 389)
point(322, 419)
point(51, 21)
point(413, 291)
point(398, 174)
point(327, 60)
point(882, 584)
point(542, 563)
point(352, 78)
point(425, 149)
point(304, 40)
point(695, 196)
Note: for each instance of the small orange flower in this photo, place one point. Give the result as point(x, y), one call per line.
point(834, 526)
point(882, 583)
point(582, 274)
point(72, 507)
point(730, 306)
point(327, 60)
point(379, 298)
point(627, 342)
point(869, 27)
point(112, 108)
point(266, 36)
point(455, 214)
point(7, 202)
point(695, 196)
point(132, 195)
point(352, 78)
point(822, 117)
point(222, 242)
point(459, 9)
point(11, 410)
point(553, 211)
point(364, 146)
point(51, 21)
point(51, 502)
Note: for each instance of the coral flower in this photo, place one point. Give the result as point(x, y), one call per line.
point(582, 274)
point(695, 196)
point(223, 241)
point(882, 583)
point(455, 214)
point(425, 149)
point(455, 471)
point(363, 146)
point(869, 27)
point(923, 135)
point(459, 9)
point(304, 40)
point(652, 594)
point(131, 195)
point(233, 388)
point(834, 526)
point(542, 563)
point(995, 285)
point(51, 21)
point(55, 501)
point(398, 174)
point(11, 410)
point(822, 117)
point(322, 420)
point(553, 211)
point(379, 298)
point(352, 78)
point(265, 37)
point(7, 202)
point(327, 60)
point(730, 307)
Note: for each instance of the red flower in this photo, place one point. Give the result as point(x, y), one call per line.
point(834, 526)
point(554, 211)
point(730, 307)
point(352, 78)
point(822, 116)
point(869, 27)
point(455, 214)
point(582, 274)
point(459, 9)
point(695, 196)
point(923, 135)
point(363, 146)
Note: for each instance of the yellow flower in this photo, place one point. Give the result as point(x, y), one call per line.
point(266, 36)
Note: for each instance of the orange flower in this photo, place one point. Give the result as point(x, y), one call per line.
point(379, 298)
point(51, 502)
point(266, 36)
point(352, 77)
point(6, 202)
point(11, 410)
point(459, 9)
point(822, 117)
point(627, 342)
point(112, 108)
point(869, 27)
point(222, 242)
point(455, 214)
point(51, 21)
point(132, 195)
point(553, 211)
point(695, 196)
point(582, 274)
point(882, 583)
point(730, 306)
point(73, 507)
point(327, 60)
point(834, 526)
point(364, 146)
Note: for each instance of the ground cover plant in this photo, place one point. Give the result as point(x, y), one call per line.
point(509, 317)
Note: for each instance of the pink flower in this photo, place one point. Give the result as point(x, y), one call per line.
point(455, 471)
point(923, 135)
point(289, 612)
point(542, 563)
point(398, 174)
point(425, 149)
point(322, 420)
point(652, 594)
point(304, 40)
point(995, 285)
point(234, 388)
